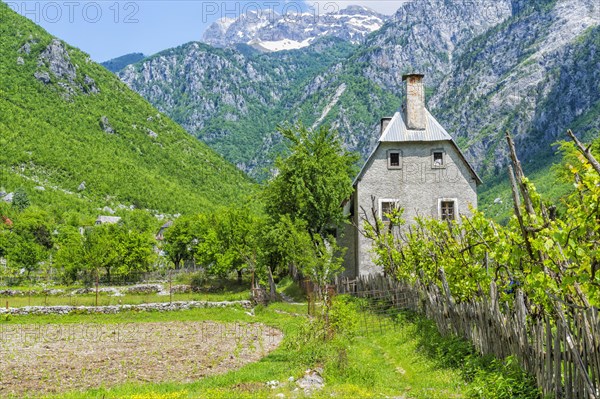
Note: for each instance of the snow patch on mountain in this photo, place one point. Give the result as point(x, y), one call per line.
point(267, 30)
point(279, 45)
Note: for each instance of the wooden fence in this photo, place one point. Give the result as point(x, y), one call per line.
point(562, 352)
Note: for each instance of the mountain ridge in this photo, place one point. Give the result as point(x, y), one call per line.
point(267, 30)
point(521, 66)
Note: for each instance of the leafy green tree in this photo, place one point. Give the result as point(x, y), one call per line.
point(313, 180)
point(25, 255)
point(69, 256)
point(141, 221)
point(181, 240)
point(4, 243)
point(318, 258)
point(230, 240)
point(138, 255)
point(36, 224)
point(101, 249)
point(304, 201)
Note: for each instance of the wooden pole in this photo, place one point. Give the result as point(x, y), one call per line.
point(97, 283)
point(585, 151)
point(520, 175)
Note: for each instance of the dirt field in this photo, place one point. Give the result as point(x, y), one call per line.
point(57, 358)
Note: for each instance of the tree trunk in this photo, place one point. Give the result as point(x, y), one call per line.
point(272, 288)
point(239, 277)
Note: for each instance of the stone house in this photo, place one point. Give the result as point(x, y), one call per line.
point(417, 166)
point(160, 236)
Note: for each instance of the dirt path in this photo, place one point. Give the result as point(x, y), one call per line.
point(60, 357)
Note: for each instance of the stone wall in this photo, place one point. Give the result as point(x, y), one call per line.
point(418, 187)
point(158, 307)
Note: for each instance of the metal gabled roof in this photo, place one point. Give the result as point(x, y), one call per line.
point(397, 132)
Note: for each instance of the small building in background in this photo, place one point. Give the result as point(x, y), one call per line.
point(160, 236)
point(416, 166)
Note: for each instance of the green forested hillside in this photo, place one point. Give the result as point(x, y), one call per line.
point(65, 120)
point(116, 64)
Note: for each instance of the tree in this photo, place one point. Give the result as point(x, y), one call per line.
point(24, 254)
point(138, 254)
point(304, 201)
point(141, 221)
point(181, 239)
point(318, 258)
point(4, 243)
point(313, 180)
point(36, 224)
point(69, 255)
point(101, 249)
point(230, 240)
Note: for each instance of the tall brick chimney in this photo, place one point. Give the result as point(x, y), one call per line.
point(414, 108)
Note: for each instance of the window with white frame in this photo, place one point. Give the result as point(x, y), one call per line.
point(447, 208)
point(387, 207)
point(394, 159)
point(438, 158)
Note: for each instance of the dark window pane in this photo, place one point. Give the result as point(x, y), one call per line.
point(438, 158)
point(447, 210)
point(394, 159)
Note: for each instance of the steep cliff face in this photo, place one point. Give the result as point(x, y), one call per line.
point(423, 37)
point(527, 76)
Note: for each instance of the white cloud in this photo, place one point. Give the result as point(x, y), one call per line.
point(387, 7)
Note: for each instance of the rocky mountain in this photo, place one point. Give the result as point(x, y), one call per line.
point(529, 67)
point(232, 99)
point(267, 30)
point(535, 76)
point(77, 139)
point(116, 64)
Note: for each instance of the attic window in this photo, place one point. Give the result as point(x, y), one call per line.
point(447, 209)
point(438, 159)
point(394, 157)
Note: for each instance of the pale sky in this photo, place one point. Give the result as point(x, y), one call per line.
point(109, 28)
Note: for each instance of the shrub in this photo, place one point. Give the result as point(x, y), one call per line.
point(344, 317)
point(198, 280)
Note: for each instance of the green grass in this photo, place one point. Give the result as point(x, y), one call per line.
point(289, 287)
point(390, 364)
point(410, 361)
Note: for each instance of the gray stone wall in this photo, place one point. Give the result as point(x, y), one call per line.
point(418, 186)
